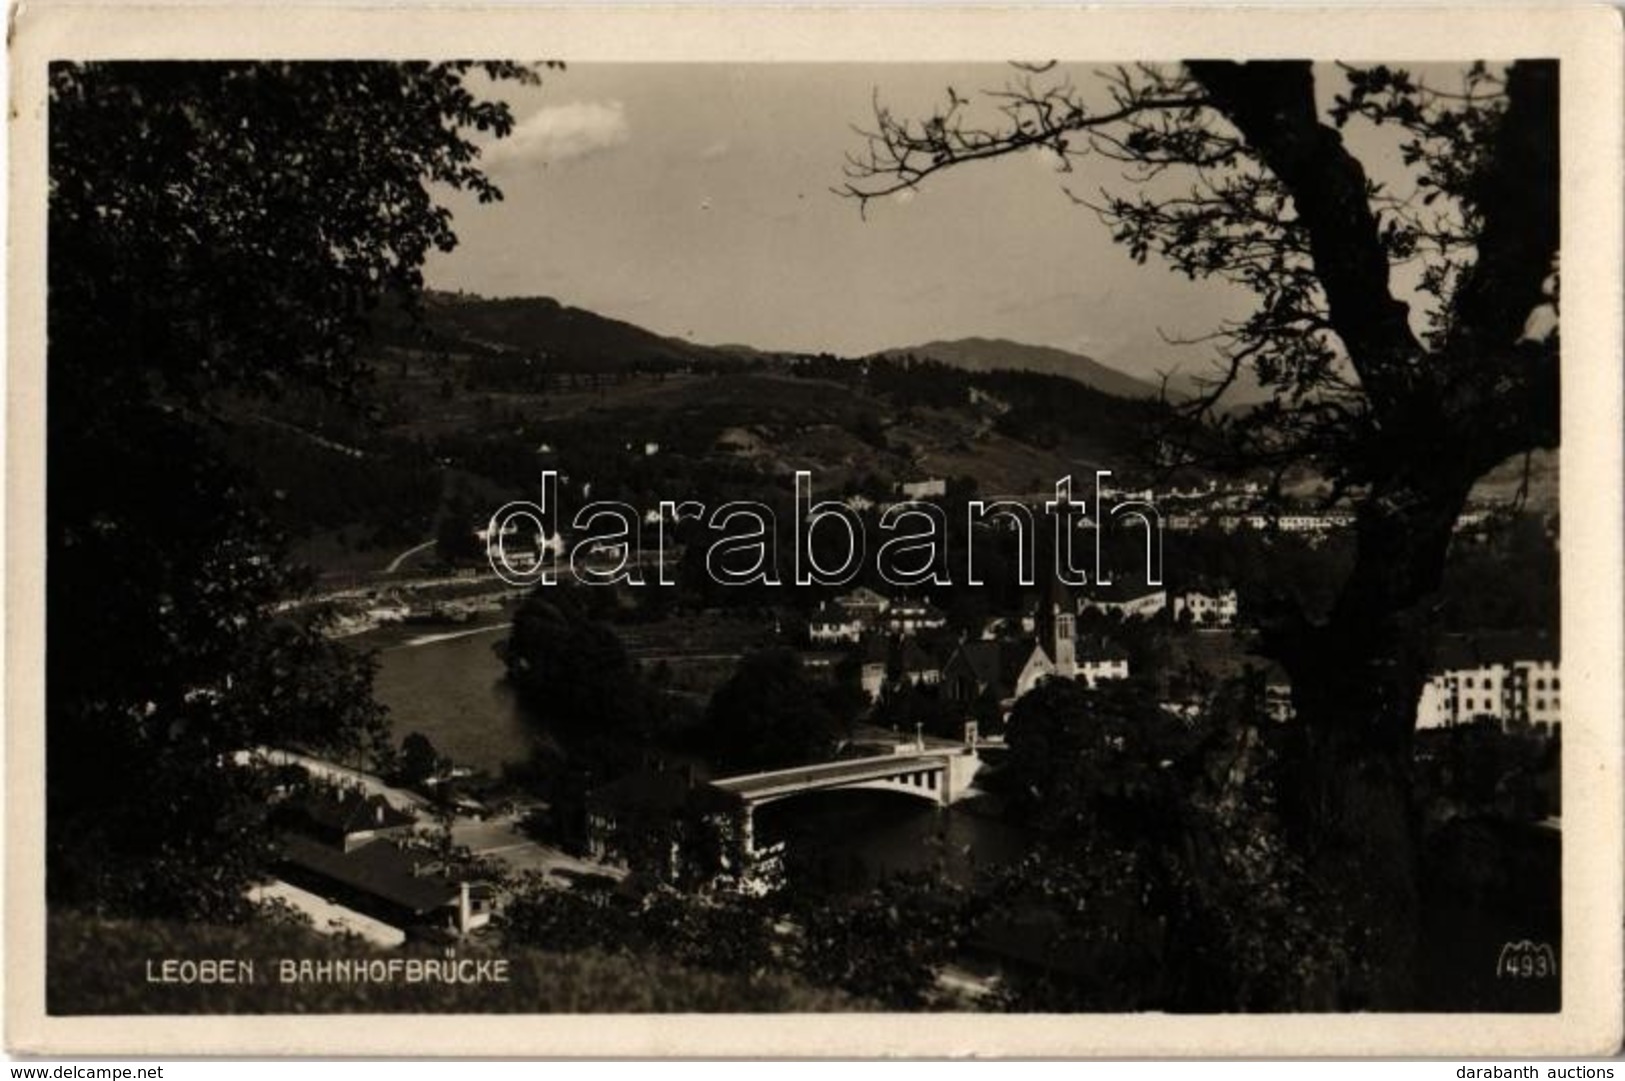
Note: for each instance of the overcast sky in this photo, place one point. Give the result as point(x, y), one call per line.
point(695, 200)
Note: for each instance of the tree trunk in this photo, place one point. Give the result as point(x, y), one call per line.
point(1354, 809)
point(1356, 682)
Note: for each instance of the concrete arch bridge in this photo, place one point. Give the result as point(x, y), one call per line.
point(941, 777)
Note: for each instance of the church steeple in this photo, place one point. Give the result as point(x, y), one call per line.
point(1063, 643)
point(1057, 625)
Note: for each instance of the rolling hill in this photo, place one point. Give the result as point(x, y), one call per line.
point(564, 338)
point(991, 354)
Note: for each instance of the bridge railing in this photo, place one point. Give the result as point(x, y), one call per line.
point(837, 769)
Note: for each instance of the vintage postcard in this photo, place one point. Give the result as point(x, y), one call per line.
point(932, 532)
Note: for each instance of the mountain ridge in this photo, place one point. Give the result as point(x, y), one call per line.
point(566, 338)
point(982, 354)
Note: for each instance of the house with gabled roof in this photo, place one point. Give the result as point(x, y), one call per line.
point(834, 624)
point(915, 666)
point(343, 817)
point(996, 669)
point(357, 851)
point(864, 603)
point(1099, 659)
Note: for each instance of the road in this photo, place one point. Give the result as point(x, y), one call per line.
point(496, 836)
point(499, 837)
point(399, 798)
point(395, 564)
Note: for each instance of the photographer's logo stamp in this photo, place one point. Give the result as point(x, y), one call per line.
point(1526, 960)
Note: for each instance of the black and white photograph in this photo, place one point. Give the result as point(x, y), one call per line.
point(1021, 536)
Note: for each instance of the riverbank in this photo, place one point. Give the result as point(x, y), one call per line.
point(451, 686)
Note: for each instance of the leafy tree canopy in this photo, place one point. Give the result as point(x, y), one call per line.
point(1238, 175)
point(215, 229)
point(769, 715)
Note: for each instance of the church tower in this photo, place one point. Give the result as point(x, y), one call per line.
point(1063, 646)
point(1058, 629)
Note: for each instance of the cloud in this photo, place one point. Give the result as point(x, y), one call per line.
point(559, 133)
point(715, 151)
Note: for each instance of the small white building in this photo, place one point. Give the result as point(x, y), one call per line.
point(924, 489)
point(1098, 661)
point(1216, 609)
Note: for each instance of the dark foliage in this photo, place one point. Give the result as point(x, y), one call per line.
point(217, 231)
point(419, 761)
point(769, 715)
point(572, 673)
point(1163, 879)
point(1241, 179)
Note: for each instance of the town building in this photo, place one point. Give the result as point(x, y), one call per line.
point(906, 617)
point(864, 603)
point(930, 487)
point(1000, 669)
point(1313, 521)
point(996, 627)
point(821, 664)
point(357, 851)
point(345, 818)
point(834, 624)
point(1512, 680)
point(916, 667)
point(1008, 668)
point(1100, 660)
point(1230, 523)
point(1198, 662)
point(1145, 605)
point(1278, 705)
point(872, 671)
point(1201, 609)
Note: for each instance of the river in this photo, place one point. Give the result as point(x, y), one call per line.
point(846, 840)
point(448, 685)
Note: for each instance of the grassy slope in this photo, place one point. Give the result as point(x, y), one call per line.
point(802, 423)
point(98, 966)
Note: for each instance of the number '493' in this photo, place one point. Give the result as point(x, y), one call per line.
point(1526, 960)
